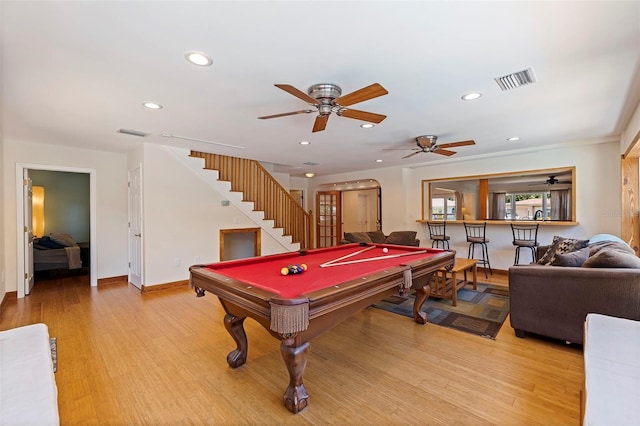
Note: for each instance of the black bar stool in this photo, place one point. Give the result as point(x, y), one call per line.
point(525, 235)
point(438, 233)
point(476, 234)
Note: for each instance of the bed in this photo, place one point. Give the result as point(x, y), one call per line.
point(59, 251)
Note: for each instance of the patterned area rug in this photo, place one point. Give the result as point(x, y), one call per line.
point(53, 343)
point(480, 312)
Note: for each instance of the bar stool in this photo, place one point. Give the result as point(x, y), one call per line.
point(476, 235)
point(438, 233)
point(525, 235)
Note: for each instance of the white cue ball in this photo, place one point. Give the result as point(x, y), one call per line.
point(385, 250)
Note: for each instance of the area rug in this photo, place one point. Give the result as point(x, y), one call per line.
point(53, 343)
point(481, 312)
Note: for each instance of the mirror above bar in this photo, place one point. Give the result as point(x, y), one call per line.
point(545, 196)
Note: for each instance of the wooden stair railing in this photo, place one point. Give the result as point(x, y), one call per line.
point(257, 185)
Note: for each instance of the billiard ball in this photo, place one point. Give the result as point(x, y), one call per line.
point(284, 271)
point(385, 250)
point(303, 266)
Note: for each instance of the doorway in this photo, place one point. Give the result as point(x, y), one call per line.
point(22, 170)
point(347, 207)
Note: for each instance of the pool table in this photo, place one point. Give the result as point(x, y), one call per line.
point(295, 308)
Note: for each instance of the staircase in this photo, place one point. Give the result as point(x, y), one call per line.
point(267, 195)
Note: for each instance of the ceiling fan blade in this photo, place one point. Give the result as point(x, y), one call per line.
point(321, 123)
point(461, 143)
point(297, 93)
point(362, 115)
point(443, 152)
point(284, 114)
point(411, 155)
point(361, 95)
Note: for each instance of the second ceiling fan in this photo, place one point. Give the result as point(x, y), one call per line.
point(427, 143)
point(326, 98)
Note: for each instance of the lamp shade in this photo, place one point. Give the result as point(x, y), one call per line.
point(37, 210)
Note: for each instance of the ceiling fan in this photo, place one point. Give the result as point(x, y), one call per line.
point(326, 98)
point(427, 143)
point(552, 180)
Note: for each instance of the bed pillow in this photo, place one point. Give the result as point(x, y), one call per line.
point(403, 238)
point(561, 245)
point(61, 238)
point(46, 243)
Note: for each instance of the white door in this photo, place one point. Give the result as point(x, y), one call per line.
point(135, 227)
point(28, 232)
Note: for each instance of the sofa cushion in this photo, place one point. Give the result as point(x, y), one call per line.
point(612, 254)
point(403, 238)
point(561, 245)
point(357, 237)
point(377, 237)
point(575, 258)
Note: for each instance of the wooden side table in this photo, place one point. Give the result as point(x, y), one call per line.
point(445, 284)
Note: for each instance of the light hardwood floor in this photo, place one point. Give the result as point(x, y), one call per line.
point(160, 358)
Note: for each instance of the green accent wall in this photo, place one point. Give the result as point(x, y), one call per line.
point(66, 202)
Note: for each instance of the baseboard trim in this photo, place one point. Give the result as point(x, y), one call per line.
point(8, 296)
point(166, 286)
point(112, 280)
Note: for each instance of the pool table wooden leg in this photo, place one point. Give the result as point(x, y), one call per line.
point(295, 358)
point(235, 327)
point(422, 293)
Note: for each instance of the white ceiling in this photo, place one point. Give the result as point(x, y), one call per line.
point(75, 72)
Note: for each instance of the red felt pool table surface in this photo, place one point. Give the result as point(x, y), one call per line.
point(264, 272)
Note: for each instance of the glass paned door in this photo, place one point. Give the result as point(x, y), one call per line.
point(329, 229)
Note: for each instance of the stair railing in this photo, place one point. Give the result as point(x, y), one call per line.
point(258, 186)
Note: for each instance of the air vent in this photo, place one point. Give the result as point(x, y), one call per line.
point(516, 79)
point(133, 132)
point(311, 163)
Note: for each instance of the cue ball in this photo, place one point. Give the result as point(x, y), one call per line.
point(385, 250)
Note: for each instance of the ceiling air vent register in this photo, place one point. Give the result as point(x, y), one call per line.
point(516, 79)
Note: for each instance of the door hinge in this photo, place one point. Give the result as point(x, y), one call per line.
point(129, 264)
point(25, 229)
point(26, 276)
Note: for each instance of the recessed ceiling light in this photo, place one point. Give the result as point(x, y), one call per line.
point(152, 105)
point(309, 174)
point(378, 161)
point(366, 126)
point(198, 58)
point(305, 143)
point(471, 96)
point(515, 138)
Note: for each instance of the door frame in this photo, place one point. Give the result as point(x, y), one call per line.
point(93, 253)
point(129, 236)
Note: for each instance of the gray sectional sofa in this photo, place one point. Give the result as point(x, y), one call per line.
point(553, 300)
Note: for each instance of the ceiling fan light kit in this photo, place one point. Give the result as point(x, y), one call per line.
point(327, 98)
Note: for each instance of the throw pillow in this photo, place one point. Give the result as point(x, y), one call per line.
point(561, 245)
point(357, 237)
point(575, 258)
point(377, 237)
point(45, 243)
point(612, 259)
point(61, 238)
point(403, 238)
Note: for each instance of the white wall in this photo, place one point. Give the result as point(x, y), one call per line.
point(631, 131)
point(183, 216)
point(597, 194)
point(111, 215)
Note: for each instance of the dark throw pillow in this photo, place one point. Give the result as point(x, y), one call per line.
point(561, 245)
point(357, 237)
point(575, 258)
point(47, 243)
point(402, 238)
